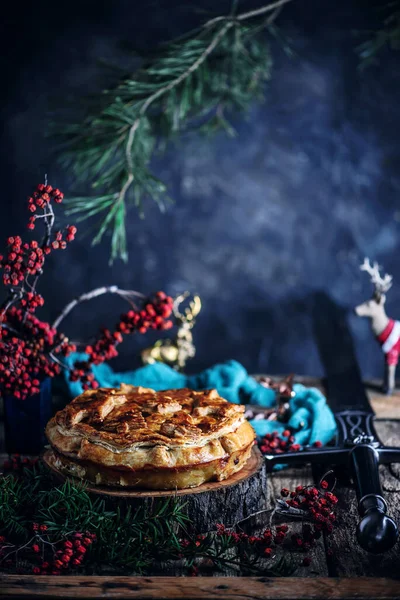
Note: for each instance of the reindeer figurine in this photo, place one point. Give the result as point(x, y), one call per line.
point(386, 331)
point(176, 352)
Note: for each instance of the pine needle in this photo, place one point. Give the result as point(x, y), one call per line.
point(193, 83)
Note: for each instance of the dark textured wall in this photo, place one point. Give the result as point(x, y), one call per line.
point(262, 223)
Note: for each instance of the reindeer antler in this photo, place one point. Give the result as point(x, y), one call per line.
point(191, 311)
point(381, 284)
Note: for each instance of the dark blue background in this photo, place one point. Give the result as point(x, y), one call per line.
point(261, 223)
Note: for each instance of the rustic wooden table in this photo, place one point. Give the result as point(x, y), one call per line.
point(339, 568)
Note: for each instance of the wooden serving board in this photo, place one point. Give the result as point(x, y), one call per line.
point(251, 468)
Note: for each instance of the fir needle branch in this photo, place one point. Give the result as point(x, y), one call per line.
point(189, 84)
point(159, 93)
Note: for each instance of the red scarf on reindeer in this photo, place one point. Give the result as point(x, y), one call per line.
point(389, 339)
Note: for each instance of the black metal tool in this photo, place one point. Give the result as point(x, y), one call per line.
point(357, 442)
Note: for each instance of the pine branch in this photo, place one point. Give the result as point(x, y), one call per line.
point(190, 84)
point(33, 510)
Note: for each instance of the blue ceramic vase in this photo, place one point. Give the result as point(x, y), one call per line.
point(25, 420)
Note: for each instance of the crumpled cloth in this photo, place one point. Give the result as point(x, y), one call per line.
point(311, 418)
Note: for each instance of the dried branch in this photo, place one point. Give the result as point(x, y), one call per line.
point(95, 293)
point(251, 14)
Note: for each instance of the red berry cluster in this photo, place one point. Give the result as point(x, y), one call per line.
point(17, 464)
point(276, 443)
point(70, 555)
point(41, 198)
point(26, 344)
point(61, 239)
point(24, 259)
point(265, 543)
point(319, 506)
point(48, 558)
point(153, 314)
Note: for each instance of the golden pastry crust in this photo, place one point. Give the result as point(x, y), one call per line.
point(137, 437)
point(153, 479)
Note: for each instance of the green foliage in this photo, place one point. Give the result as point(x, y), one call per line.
point(388, 36)
point(129, 540)
point(18, 498)
point(189, 84)
point(11, 494)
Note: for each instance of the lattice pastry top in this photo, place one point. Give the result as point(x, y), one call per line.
point(135, 416)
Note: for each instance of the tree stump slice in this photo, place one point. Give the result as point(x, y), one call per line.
point(227, 502)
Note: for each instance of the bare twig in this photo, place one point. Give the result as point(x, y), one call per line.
point(273, 15)
point(261, 11)
point(49, 218)
point(111, 289)
point(249, 15)
point(49, 223)
point(8, 302)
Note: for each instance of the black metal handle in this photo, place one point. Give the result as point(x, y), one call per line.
point(315, 455)
point(376, 532)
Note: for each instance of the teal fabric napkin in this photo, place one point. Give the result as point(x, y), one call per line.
point(311, 418)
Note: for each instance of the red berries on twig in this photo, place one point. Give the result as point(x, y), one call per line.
point(28, 346)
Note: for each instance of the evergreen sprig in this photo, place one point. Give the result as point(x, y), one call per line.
point(128, 540)
point(192, 83)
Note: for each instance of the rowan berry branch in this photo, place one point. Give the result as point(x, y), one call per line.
point(30, 349)
point(49, 218)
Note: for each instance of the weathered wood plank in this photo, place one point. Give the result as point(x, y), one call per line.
point(348, 559)
point(389, 431)
point(385, 407)
point(277, 480)
point(290, 478)
point(217, 588)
